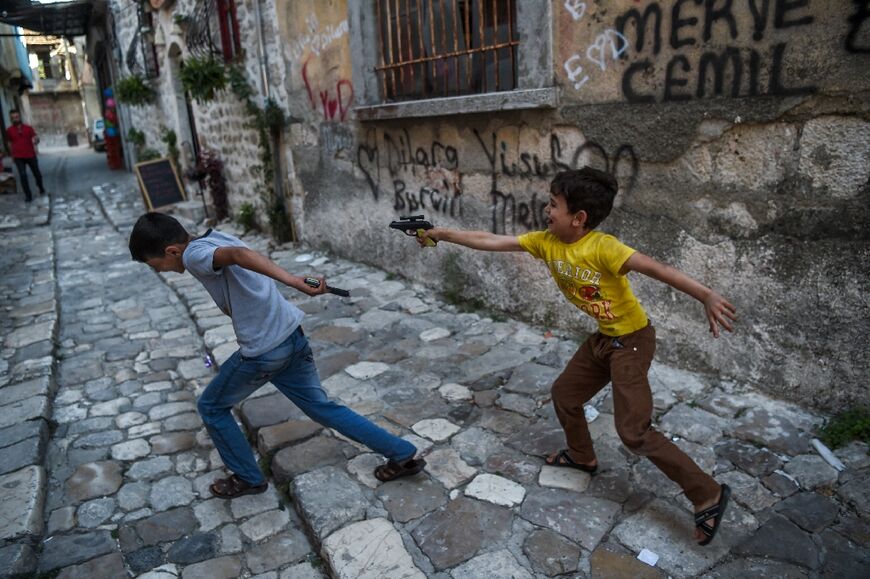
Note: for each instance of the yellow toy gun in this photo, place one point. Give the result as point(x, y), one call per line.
point(414, 225)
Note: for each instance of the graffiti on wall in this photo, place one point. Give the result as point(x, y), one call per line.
point(697, 73)
point(318, 54)
point(518, 211)
point(693, 49)
point(426, 175)
point(332, 100)
point(421, 175)
point(335, 137)
point(316, 40)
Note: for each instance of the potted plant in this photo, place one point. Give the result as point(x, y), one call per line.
point(134, 90)
point(203, 77)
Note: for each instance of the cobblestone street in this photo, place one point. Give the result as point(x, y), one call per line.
point(105, 465)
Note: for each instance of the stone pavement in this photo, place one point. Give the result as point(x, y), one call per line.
point(106, 465)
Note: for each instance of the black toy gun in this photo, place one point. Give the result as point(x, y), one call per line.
point(414, 225)
point(314, 282)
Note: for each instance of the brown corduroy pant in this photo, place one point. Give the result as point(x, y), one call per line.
point(624, 361)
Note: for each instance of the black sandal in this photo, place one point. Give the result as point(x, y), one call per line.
point(392, 470)
point(563, 459)
point(232, 487)
point(715, 512)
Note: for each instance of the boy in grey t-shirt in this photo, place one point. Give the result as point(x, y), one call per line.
point(272, 348)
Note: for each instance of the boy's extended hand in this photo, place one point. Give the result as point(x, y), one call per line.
point(424, 234)
point(311, 290)
point(483, 240)
point(719, 312)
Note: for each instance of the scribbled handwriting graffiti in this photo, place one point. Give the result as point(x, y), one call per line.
point(510, 214)
point(609, 45)
point(575, 8)
point(316, 41)
point(424, 175)
point(442, 199)
point(433, 166)
point(334, 102)
point(728, 70)
point(335, 137)
point(402, 155)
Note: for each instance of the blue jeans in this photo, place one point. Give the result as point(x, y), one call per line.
point(290, 367)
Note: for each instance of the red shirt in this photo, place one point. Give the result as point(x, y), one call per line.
point(21, 141)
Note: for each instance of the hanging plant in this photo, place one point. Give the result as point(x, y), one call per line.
point(212, 168)
point(136, 137)
point(133, 90)
point(238, 83)
point(247, 217)
point(149, 155)
point(171, 140)
point(203, 78)
point(268, 121)
point(273, 117)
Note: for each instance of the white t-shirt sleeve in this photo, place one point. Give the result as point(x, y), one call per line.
point(198, 258)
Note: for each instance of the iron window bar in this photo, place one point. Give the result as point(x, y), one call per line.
point(203, 35)
point(462, 47)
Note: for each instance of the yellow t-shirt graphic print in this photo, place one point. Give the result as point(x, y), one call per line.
point(587, 272)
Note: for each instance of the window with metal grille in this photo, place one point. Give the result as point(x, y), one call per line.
point(214, 30)
point(442, 48)
point(141, 56)
point(149, 50)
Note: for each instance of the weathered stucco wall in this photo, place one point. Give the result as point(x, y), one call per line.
point(313, 41)
point(738, 130)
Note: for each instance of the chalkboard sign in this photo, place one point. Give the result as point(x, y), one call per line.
point(159, 183)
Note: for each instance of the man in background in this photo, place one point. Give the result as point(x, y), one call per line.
point(22, 145)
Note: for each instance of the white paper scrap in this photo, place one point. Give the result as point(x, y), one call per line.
point(648, 557)
point(590, 412)
point(826, 454)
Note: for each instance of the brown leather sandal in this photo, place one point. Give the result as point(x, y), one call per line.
point(563, 459)
point(392, 470)
point(232, 487)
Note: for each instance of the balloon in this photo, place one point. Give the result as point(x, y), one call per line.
point(111, 131)
point(110, 102)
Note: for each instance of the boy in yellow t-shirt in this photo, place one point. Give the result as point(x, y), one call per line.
point(590, 268)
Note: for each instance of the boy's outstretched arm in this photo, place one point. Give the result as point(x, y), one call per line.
point(249, 259)
point(719, 311)
point(482, 240)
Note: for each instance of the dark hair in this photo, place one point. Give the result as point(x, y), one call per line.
point(152, 233)
point(16, 111)
point(588, 190)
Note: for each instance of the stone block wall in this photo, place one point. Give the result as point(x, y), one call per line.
point(222, 125)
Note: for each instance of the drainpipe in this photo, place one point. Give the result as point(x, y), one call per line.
point(277, 179)
point(261, 50)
